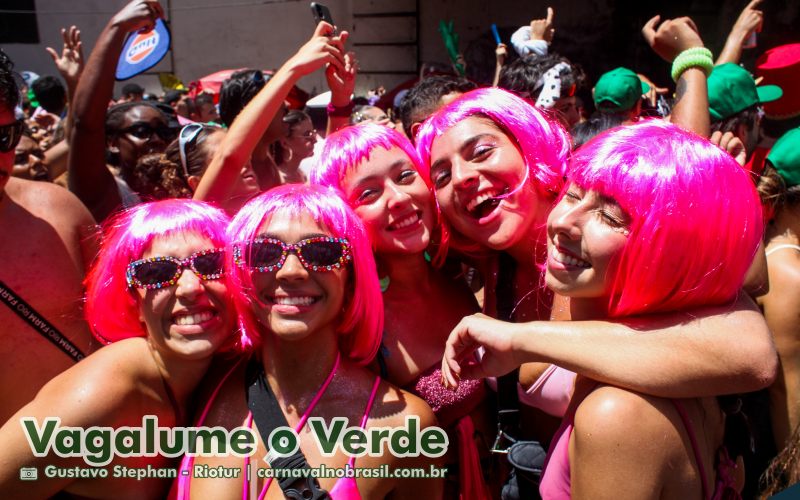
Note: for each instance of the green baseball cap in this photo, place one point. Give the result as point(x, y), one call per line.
point(785, 157)
point(731, 89)
point(618, 90)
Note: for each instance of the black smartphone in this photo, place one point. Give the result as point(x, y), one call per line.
point(322, 13)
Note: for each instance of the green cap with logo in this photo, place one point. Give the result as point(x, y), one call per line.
point(785, 157)
point(731, 90)
point(618, 90)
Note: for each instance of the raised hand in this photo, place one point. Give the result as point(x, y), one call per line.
point(472, 332)
point(751, 19)
point(70, 62)
point(542, 29)
point(138, 15)
point(320, 50)
point(672, 37)
point(342, 82)
point(732, 144)
point(654, 92)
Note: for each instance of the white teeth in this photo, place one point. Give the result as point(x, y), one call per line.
point(194, 319)
point(480, 199)
point(293, 301)
point(569, 260)
point(411, 219)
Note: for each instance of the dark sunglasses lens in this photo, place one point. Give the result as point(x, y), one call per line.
point(166, 133)
point(153, 273)
point(210, 263)
point(264, 254)
point(141, 131)
point(322, 253)
point(10, 136)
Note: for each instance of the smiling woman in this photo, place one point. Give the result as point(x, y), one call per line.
point(157, 295)
point(306, 290)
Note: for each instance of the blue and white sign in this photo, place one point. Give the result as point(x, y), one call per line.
point(142, 51)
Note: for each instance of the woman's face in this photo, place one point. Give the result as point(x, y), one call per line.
point(586, 233)
point(474, 167)
point(302, 138)
point(392, 200)
point(294, 302)
point(144, 130)
point(192, 318)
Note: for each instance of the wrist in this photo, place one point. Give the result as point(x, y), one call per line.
point(694, 57)
point(340, 111)
point(340, 100)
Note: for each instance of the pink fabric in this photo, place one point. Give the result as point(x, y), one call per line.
point(471, 485)
point(550, 393)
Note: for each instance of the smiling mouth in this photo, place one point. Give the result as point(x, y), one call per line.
point(485, 203)
point(193, 319)
point(569, 260)
point(300, 300)
point(405, 222)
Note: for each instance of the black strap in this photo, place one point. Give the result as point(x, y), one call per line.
point(268, 416)
point(507, 395)
point(38, 322)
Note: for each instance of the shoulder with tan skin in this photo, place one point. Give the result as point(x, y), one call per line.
point(87, 395)
point(626, 438)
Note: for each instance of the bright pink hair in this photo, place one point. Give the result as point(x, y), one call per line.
point(362, 323)
point(542, 142)
point(695, 216)
point(348, 147)
point(112, 309)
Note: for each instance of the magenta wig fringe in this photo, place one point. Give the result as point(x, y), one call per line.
point(112, 309)
point(362, 324)
point(695, 216)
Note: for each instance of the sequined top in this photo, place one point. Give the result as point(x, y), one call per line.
point(447, 405)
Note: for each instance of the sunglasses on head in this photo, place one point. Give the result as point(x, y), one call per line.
point(321, 253)
point(146, 131)
point(159, 272)
point(10, 135)
point(188, 134)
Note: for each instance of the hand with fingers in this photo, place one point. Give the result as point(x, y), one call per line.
point(500, 54)
point(542, 29)
point(654, 92)
point(70, 62)
point(138, 15)
point(472, 332)
point(672, 37)
point(342, 83)
point(322, 49)
point(751, 19)
point(732, 144)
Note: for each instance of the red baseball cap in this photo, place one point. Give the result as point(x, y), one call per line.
point(781, 66)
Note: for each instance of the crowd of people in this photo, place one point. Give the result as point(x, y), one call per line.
point(502, 260)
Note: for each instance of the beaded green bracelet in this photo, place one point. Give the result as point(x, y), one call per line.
point(696, 57)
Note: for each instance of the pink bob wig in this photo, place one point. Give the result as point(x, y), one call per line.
point(362, 322)
point(348, 147)
point(542, 142)
point(112, 309)
point(695, 216)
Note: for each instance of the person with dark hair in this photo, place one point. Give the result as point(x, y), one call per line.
point(619, 92)
point(205, 109)
point(584, 131)
point(550, 81)
point(51, 94)
point(428, 95)
point(297, 145)
point(46, 245)
point(131, 92)
point(368, 112)
point(126, 131)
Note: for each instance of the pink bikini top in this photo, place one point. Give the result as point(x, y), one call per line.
point(447, 405)
point(551, 392)
point(556, 481)
point(344, 489)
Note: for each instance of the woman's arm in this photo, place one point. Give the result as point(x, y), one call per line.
point(710, 351)
point(89, 178)
point(249, 126)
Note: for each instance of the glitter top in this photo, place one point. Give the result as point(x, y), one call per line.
point(447, 405)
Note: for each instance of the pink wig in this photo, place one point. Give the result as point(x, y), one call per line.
point(542, 142)
point(362, 323)
point(112, 310)
point(350, 146)
point(695, 216)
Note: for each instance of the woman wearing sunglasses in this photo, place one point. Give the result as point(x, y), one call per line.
point(496, 164)
point(378, 172)
point(177, 172)
point(308, 296)
point(157, 296)
point(615, 246)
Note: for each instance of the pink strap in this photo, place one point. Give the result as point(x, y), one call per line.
point(693, 439)
point(305, 416)
point(365, 418)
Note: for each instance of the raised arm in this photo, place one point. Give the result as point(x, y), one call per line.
point(690, 109)
point(342, 83)
point(749, 22)
point(249, 126)
point(710, 351)
point(89, 178)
